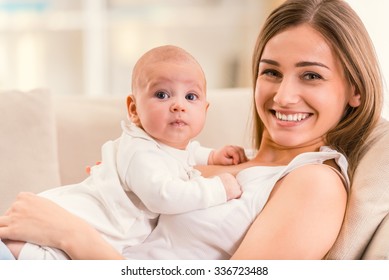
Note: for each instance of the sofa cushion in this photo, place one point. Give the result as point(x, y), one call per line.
point(87, 123)
point(29, 150)
point(378, 248)
point(229, 110)
point(368, 200)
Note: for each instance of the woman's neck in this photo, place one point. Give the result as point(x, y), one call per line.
point(269, 154)
point(272, 154)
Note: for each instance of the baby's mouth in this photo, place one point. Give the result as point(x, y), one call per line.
point(178, 123)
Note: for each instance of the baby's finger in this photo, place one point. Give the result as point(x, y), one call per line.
point(238, 155)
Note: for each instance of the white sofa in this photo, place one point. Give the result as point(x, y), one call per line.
point(48, 140)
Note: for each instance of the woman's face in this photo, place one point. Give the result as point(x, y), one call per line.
point(301, 90)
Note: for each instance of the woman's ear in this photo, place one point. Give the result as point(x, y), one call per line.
point(355, 99)
point(131, 108)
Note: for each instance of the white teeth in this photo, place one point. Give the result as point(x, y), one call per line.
point(291, 117)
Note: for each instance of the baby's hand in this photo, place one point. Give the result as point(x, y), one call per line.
point(228, 155)
point(231, 185)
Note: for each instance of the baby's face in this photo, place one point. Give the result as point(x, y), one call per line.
point(170, 102)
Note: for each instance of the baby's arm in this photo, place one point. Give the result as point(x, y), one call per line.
point(231, 186)
point(156, 180)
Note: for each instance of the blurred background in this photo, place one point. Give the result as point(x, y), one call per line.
point(90, 46)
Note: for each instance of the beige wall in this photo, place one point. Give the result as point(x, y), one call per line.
point(90, 46)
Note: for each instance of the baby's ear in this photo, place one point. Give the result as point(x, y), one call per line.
point(131, 109)
point(129, 100)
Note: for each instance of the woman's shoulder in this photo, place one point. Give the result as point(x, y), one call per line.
point(314, 174)
point(325, 153)
point(323, 163)
point(312, 183)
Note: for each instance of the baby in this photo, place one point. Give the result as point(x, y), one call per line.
point(149, 170)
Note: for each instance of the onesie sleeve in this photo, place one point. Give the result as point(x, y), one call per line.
point(156, 182)
point(200, 153)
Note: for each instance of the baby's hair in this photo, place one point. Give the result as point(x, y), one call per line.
point(161, 54)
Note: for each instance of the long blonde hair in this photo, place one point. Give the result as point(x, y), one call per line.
point(344, 31)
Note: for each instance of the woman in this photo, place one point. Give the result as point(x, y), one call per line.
point(318, 95)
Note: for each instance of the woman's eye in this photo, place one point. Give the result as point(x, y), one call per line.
point(191, 97)
point(161, 95)
point(311, 76)
point(271, 73)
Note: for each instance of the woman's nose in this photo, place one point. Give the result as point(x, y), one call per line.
point(287, 93)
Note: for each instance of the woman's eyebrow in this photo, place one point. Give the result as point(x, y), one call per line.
point(298, 64)
point(269, 61)
point(311, 63)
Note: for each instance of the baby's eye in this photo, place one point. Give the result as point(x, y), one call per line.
point(161, 95)
point(312, 76)
point(191, 97)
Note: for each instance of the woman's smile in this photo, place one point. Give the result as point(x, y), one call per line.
point(290, 117)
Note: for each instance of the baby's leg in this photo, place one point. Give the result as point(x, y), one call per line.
point(14, 247)
point(35, 252)
point(28, 251)
point(5, 252)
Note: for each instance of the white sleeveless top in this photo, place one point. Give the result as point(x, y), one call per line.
point(216, 232)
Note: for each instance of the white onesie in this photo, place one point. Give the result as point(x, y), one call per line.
point(138, 179)
point(216, 232)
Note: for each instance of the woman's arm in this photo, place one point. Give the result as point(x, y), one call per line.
point(302, 218)
point(38, 220)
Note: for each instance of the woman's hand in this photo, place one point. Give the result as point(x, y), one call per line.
point(34, 219)
point(38, 220)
